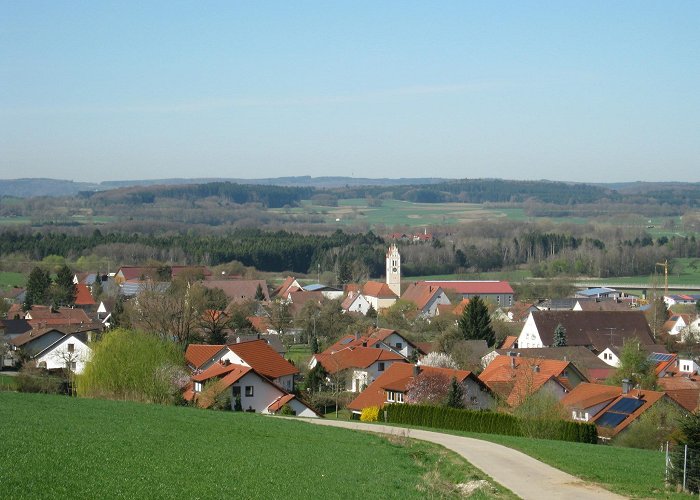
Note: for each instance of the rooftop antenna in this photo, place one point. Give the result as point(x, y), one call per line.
point(611, 334)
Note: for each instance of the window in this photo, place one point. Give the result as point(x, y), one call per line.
point(73, 365)
point(249, 391)
point(399, 397)
point(197, 387)
point(390, 396)
point(381, 366)
point(510, 300)
point(71, 347)
point(399, 345)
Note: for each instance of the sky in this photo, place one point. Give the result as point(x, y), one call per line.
point(592, 91)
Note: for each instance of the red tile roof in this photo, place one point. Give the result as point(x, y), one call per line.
point(260, 323)
point(474, 287)
point(263, 358)
point(378, 289)
point(586, 395)
point(83, 296)
point(420, 294)
point(515, 378)
point(509, 342)
point(355, 357)
point(235, 373)
point(278, 403)
point(197, 355)
point(45, 316)
point(397, 378)
point(284, 287)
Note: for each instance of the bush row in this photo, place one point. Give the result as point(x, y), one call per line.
point(488, 422)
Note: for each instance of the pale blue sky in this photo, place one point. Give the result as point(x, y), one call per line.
point(595, 91)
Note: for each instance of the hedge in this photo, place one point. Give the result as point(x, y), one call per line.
point(488, 422)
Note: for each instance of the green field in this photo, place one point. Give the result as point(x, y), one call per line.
point(10, 279)
point(61, 447)
point(299, 354)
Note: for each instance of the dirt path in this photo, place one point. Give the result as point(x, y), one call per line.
point(523, 475)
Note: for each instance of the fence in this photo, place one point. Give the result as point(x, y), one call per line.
point(683, 467)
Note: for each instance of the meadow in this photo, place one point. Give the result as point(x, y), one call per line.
point(9, 279)
point(61, 447)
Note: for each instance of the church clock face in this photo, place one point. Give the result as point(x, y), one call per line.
point(393, 270)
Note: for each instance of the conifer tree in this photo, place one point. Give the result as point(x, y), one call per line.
point(559, 339)
point(455, 398)
point(37, 288)
point(475, 323)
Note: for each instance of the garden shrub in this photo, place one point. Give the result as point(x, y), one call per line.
point(287, 410)
point(370, 414)
point(33, 379)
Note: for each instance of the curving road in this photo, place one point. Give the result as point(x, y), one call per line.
point(523, 475)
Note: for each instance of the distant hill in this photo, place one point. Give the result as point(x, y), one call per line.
point(27, 188)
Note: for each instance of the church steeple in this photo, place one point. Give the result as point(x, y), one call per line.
point(393, 269)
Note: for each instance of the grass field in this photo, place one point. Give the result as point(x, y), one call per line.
point(299, 354)
point(10, 279)
point(60, 447)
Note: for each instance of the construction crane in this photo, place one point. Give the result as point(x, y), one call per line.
point(664, 264)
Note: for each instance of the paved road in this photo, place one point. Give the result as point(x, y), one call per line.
point(526, 477)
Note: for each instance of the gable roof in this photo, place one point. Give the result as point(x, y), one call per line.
point(371, 338)
point(197, 355)
point(593, 328)
point(263, 359)
point(586, 395)
point(509, 342)
point(238, 290)
point(15, 326)
point(590, 304)
point(355, 357)
point(421, 294)
point(515, 378)
point(232, 373)
point(282, 290)
point(45, 315)
point(473, 287)
point(590, 365)
point(378, 290)
point(36, 333)
point(398, 378)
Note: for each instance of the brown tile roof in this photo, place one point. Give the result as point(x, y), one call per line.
point(594, 328)
point(238, 290)
point(586, 395)
point(515, 378)
point(370, 339)
point(300, 298)
point(284, 287)
point(197, 355)
point(603, 305)
point(44, 315)
point(260, 323)
point(459, 308)
point(687, 398)
point(263, 358)
point(355, 357)
point(235, 373)
point(397, 378)
point(420, 294)
point(378, 289)
point(35, 333)
point(426, 347)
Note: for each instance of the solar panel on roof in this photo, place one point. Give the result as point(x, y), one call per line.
point(347, 340)
point(627, 405)
point(658, 357)
point(610, 419)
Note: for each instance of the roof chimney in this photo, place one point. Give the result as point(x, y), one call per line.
point(536, 368)
point(416, 370)
point(357, 335)
point(626, 386)
point(512, 362)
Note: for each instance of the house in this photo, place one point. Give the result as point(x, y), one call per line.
point(289, 283)
point(594, 304)
point(672, 300)
point(517, 313)
point(59, 346)
point(362, 365)
point(355, 302)
point(379, 295)
point(611, 354)
point(514, 378)
point(426, 298)
point(255, 391)
point(593, 329)
point(394, 384)
point(379, 338)
point(298, 299)
point(611, 408)
point(256, 354)
point(498, 292)
point(41, 316)
point(676, 324)
point(239, 291)
point(564, 304)
point(592, 367)
point(684, 390)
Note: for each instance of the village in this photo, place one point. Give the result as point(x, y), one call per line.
point(591, 358)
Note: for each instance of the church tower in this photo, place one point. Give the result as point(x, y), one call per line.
point(393, 269)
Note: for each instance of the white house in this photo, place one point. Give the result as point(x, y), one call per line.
point(355, 302)
point(71, 352)
point(356, 366)
point(611, 355)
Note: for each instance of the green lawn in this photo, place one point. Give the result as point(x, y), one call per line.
point(299, 354)
point(61, 447)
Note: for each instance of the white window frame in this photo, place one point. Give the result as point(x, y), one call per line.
point(390, 396)
point(249, 391)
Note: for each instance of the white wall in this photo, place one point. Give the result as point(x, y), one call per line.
point(360, 304)
point(609, 357)
point(529, 336)
point(264, 393)
point(59, 355)
point(301, 409)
